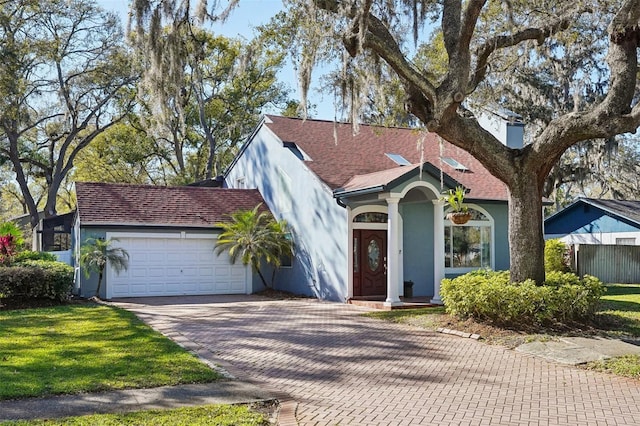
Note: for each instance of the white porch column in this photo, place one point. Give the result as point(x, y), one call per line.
point(393, 253)
point(438, 249)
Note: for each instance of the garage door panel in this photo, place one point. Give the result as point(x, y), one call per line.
point(175, 266)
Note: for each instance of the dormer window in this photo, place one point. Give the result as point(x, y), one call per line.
point(296, 151)
point(398, 159)
point(455, 164)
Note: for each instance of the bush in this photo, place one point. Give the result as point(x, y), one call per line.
point(556, 256)
point(489, 296)
point(34, 255)
point(37, 279)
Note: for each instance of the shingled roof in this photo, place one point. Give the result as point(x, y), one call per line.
point(146, 205)
point(337, 156)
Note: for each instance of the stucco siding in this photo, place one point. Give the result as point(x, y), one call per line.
point(500, 215)
point(88, 284)
point(295, 194)
point(418, 246)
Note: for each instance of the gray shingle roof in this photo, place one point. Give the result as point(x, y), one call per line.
point(146, 205)
point(337, 155)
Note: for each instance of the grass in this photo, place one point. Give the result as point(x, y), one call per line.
point(618, 317)
point(223, 415)
point(87, 348)
point(620, 310)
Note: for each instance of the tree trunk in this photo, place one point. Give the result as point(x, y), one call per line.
point(257, 269)
point(99, 282)
point(526, 241)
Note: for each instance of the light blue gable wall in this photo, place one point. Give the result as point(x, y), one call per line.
point(319, 224)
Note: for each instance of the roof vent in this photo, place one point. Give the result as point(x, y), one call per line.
point(398, 159)
point(455, 164)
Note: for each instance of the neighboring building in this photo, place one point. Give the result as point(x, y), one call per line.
point(169, 234)
point(365, 209)
point(595, 221)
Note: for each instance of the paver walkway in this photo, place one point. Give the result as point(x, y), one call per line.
point(345, 369)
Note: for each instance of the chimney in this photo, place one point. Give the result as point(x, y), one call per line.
point(505, 125)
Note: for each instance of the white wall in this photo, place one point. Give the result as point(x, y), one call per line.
point(295, 194)
point(596, 238)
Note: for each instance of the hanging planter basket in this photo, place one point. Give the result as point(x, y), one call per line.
point(459, 218)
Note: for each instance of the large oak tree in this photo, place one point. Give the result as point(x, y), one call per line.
point(477, 36)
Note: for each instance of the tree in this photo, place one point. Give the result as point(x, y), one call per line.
point(254, 236)
point(204, 92)
point(66, 78)
point(97, 252)
point(121, 154)
point(478, 39)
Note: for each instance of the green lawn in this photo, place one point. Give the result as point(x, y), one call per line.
point(621, 306)
point(222, 415)
point(87, 348)
point(621, 312)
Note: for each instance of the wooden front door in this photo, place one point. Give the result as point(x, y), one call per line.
point(369, 262)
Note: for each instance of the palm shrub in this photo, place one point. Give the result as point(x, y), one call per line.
point(253, 237)
point(97, 252)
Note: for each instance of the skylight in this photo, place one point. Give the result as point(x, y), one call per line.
point(398, 159)
point(455, 164)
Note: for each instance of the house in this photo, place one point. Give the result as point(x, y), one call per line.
point(365, 208)
point(595, 221)
point(169, 234)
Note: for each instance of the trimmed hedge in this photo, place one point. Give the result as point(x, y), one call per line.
point(489, 296)
point(34, 255)
point(37, 279)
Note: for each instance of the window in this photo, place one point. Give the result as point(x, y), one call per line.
point(399, 159)
point(287, 261)
point(626, 241)
point(371, 217)
point(240, 183)
point(455, 164)
point(469, 246)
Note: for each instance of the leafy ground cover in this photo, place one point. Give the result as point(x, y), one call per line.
point(618, 317)
point(223, 415)
point(87, 348)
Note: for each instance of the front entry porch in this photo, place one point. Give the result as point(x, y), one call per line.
point(396, 236)
point(419, 302)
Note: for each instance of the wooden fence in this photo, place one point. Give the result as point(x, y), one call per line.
point(610, 263)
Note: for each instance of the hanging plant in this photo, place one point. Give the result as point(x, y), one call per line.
point(460, 213)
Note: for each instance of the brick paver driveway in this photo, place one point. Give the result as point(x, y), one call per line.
point(345, 369)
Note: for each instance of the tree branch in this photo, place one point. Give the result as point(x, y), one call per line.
point(384, 45)
point(500, 42)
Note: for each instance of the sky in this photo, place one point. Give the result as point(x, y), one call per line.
point(241, 24)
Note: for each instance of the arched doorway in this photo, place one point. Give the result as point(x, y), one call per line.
point(370, 254)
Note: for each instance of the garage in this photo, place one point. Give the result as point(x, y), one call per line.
point(169, 234)
point(174, 264)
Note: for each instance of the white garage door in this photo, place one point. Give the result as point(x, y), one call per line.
point(170, 265)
